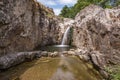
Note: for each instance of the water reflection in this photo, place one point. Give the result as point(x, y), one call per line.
point(64, 68)
point(62, 75)
point(58, 48)
point(71, 68)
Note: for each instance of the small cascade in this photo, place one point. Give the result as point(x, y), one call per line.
point(65, 37)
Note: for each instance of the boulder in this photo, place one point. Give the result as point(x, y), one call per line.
point(98, 59)
point(64, 52)
point(84, 57)
point(38, 54)
point(71, 53)
point(44, 53)
point(82, 51)
point(11, 60)
point(99, 63)
point(72, 49)
point(54, 54)
point(17, 58)
point(31, 55)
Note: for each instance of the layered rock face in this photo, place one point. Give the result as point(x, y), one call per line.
point(99, 29)
point(25, 24)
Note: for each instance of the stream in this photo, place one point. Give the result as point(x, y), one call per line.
point(46, 68)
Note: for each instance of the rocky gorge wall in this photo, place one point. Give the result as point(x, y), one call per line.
point(98, 29)
point(26, 24)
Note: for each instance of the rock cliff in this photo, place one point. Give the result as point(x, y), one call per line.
point(26, 24)
point(98, 29)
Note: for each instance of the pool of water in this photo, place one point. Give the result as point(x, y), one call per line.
point(59, 68)
point(58, 48)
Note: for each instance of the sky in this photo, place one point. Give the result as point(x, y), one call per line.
point(57, 5)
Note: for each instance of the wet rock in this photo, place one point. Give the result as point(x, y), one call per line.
point(49, 54)
point(32, 55)
point(71, 52)
point(54, 54)
point(11, 60)
point(64, 52)
point(44, 53)
point(72, 49)
point(38, 54)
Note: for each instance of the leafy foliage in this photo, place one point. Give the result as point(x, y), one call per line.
point(70, 12)
point(114, 72)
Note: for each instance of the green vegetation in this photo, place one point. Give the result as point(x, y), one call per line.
point(70, 12)
point(50, 15)
point(114, 72)
point(71, 35)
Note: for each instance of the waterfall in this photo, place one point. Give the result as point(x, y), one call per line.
point(65, 36)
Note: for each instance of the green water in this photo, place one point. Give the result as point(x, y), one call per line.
point(58, 48)
point(64, 68)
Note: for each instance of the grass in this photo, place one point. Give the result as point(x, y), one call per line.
point(49, 15)
point(114, 72)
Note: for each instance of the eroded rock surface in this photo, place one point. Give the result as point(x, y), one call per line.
point(26, 24)
point(98, 29)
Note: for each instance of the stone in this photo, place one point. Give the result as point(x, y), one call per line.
point(81, 51)
point(54, 54)
point(72, 49)
point(64, 52)
point(11, 60)
point(32, 55)
point(44, 54)
point(98, 59)
point(104, 74)
point(71, 53)
point(85, 58)
point(83, 54)
point(38, 54)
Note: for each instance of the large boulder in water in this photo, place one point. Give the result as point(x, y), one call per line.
point(11, 60)
point(16, 58)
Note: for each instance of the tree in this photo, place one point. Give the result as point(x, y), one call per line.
point(70, 12)
point(65, 11)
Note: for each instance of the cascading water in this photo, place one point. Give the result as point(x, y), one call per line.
point(63, 46)
point(65, 37)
